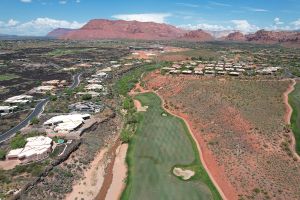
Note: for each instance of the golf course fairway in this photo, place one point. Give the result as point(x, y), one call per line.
point(162, 142)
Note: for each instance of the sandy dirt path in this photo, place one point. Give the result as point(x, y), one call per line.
point(288, 115)
point(289, 109)
point(108, 177)
point(88, 187)
point(141, 90)
point(119, 174)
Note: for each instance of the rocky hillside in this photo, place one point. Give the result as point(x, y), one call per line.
point(197, 35)
point(59, 32)
point(119, 29)
point(263, 36)
point(236, 36)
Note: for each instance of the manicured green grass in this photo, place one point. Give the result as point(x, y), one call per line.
point(7, 77)
point(162, 142)
point(294, 101)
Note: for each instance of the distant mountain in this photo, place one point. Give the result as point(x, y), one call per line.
point(56, 33)
point(17, 37)
point(263, 36)
point(119, 29)
point(219, 34)
point(236, 36)
point(197, 35)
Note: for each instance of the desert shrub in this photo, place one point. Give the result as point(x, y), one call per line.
point(3, 177)
point(128, 103)
point(34, 120)
point(126, 136)
point(68, 92)
point(86, 97)
point(37, 170)
point(2, 154)
point(53, 98)
point(18, 142)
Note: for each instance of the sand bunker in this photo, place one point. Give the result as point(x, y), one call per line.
point(184, 174)
point(139, 106)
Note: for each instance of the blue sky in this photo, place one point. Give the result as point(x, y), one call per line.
point(37, 17)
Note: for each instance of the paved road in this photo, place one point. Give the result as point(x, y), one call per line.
point(76, 81)
point(39, 108)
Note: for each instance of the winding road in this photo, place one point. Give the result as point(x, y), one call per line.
point(38, 110)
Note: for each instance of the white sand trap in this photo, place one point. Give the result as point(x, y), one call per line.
point(184, 174)
point(139, 106)
point(143, 109)
point(164, 114)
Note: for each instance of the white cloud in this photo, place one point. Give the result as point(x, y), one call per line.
point(146, 17)
point(26, 1)
point(37, 27)
point(9, 23)
point(204, 26)
point(12, 22)
point(219, 4)
point(258, 10)
point(188, 5)
point(77, 1)
point(244, 26)
point(277, 21)
point(63, 2)
point(296, 24)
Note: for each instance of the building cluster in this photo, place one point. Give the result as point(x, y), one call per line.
point(12, 104)
point(49, 86)
point(86, 107)
point(36, 148)
point(217, 68)
point(66, 123)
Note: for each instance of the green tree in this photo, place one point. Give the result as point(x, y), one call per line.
point(2, 154)
point(86, 97)
point(34, 120)
point(53, 98)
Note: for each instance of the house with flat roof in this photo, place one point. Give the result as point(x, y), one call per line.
point(36, 148)
point(93, 87)
point(66, 123)
point(86, 107)
point(43, 89)
point(20, 99)
point(4, 110)
point(92, 93)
